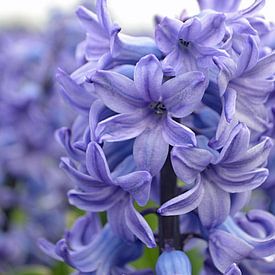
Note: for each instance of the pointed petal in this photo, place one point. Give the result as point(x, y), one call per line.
point(227, 70)
point(215, 205)
point(139, 226)
point(233, 270)
point(97, 201)
point(190, 30)
point(183, 93)
point(150, 150)
point(48, 248)
point(264, 69)
point(185, 202)
point(177, 134)
point(117, 91)
point(148, 78)
point(254, 8)
point(230, 97)
point(212, 29)
point(82, 180)
point(167, 34)
point(188, 162)
point(131, 49)
point(64, 137)
point(225, 249)
point(83, 231)
point(97, 165)
point(103, 15)
point(138, 184)
point(118, 219)
point(76, 95)
point(121, 127)
point(234, 181)
point(248, 57)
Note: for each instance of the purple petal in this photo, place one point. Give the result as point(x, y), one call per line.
point(96, 201)
point(130, 49)
point(188, 162)
point(150, 150)
point(118, 219)
point(83, 181)
point(190, 30)
point(84, 72)
point(233, 270)
point(183, 93)
point(215, 205)
point(121, 127)
point(97, 165)
point(248, 57)
point(138, 184)
point(212, 29)
point(49, 249)
point(148, 78)
point(98, 109)
point(238, 201)
point(139, 226)
point(167, 34)
point(254, 8)
point(185, 202)
point(234, 181)
point(117, 91)
point(76, 95)
point(225, 249)
point(264, 69)
point(177, 134)
point(236, 144)
point(103, 16)
point(256, 156)
point(227, 71)
point(83, 231)
point(230, 97)
point(64, 137)
point(97, 41)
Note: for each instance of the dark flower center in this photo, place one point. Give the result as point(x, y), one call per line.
point(158, 107)
point(184, 43)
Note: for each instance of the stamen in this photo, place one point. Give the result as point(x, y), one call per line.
point(184, 43)
point(158, 107)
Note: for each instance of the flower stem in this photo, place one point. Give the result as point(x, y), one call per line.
point(169, 235)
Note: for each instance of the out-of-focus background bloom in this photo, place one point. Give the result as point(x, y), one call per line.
point(37, 37)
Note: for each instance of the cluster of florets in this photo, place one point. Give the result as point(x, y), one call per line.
point(198, 95)
point(31, 185)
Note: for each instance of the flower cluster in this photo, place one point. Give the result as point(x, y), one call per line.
point(185, 120)
point(31, 185)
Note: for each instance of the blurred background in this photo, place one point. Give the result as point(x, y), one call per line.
point(131, 15)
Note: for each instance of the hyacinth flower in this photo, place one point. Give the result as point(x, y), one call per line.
point(237, 168)
point(101, 190)
point(168, 123)
point(146, 108)
point(105, 46)
point(250, 236)
point(83, 245)
point(190, 45)
point(248, 80)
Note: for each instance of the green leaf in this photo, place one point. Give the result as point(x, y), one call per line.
point(148, 259)
point(196, 261)
point(61, 269)
point(31, 270)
